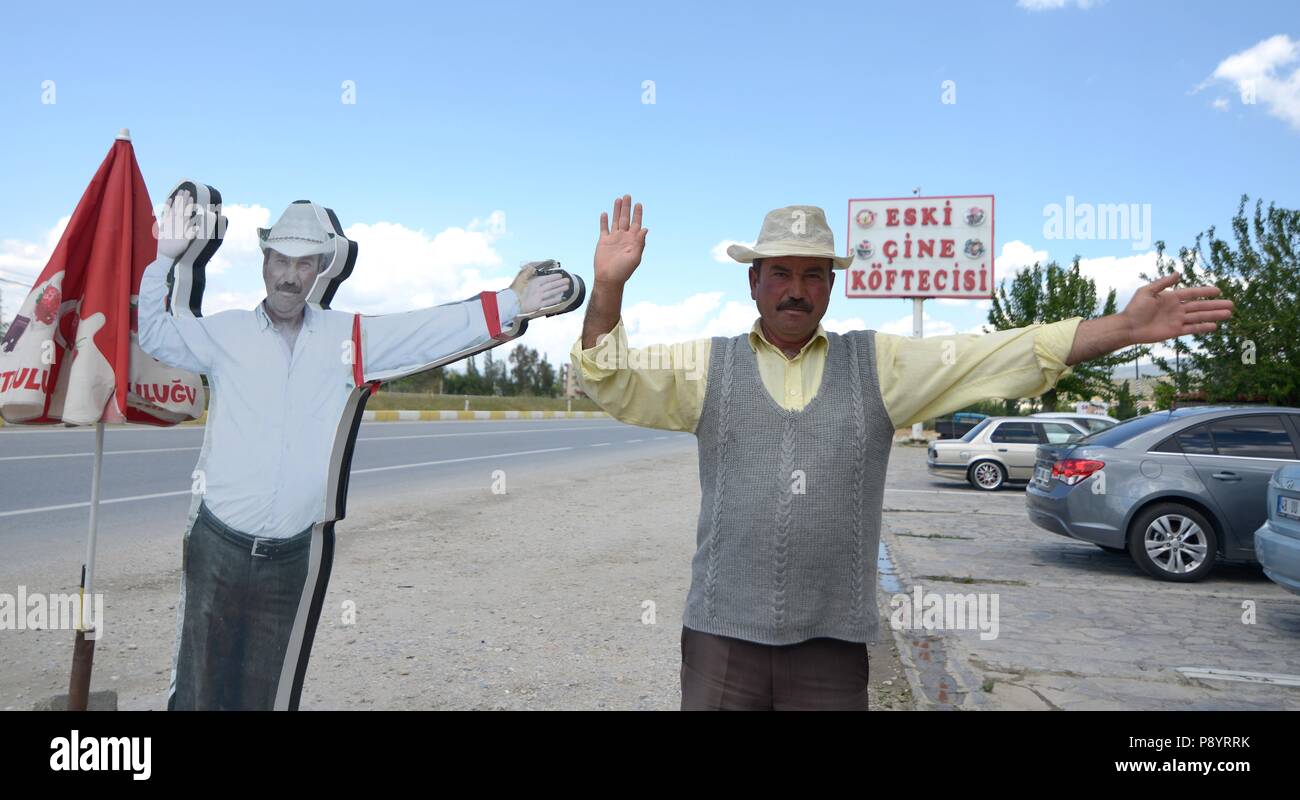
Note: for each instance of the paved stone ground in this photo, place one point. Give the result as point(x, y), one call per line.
point(1080, 628)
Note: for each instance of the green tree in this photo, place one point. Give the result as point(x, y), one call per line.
point(1254, 355)
point(523, 370)
point(428, 381)
point(1051, 294)
point(494, 375)
point(472, 381)
point(1162, 394)
point(1125, 408)
point(546, 379)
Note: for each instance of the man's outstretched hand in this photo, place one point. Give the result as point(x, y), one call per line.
point(622, 241)
point(1157, 312)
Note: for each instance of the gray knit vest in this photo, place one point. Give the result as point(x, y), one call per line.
point(791, 500)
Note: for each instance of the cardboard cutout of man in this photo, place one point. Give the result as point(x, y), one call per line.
point(795, 426)
point(288, 384)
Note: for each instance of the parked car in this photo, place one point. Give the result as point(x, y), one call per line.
point(959, 425)
point(1090, 422)
point(1179, 490)
point(1277, 542)
point(998, 450)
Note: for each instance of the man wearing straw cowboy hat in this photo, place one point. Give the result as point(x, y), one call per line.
point(794, 426)
point(272, 474)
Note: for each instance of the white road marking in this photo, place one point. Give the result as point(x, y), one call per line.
point(86, 503)
point(1210, 673)
point(106, 452)
point(359, 439)
point(15, 429)
point(459, 460)
point(951, 491)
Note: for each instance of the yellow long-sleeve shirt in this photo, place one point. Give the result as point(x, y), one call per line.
point(662, 386)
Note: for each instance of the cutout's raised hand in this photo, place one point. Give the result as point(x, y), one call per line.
point(539, 289)
point(179, 225)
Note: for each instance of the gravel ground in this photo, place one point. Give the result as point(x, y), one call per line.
point(532, 599)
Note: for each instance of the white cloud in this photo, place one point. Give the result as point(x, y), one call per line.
point(1121, 273)
point(1220, 104)
point(20, 259)
point(1264, 74)
point(719, 251)
point(695, 317)
point(980, 305)
point(929, 326)
point(399, 268)
point(844, 325)
point(21, 264)
point(1015, 256)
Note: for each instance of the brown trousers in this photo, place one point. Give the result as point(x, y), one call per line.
point(720, 673)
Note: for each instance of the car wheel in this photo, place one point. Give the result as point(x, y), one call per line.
point(986, 475)
point(1173, 542)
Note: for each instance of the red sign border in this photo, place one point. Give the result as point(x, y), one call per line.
point(848, 213)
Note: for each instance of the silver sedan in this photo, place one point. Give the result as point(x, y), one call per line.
point(999, 450)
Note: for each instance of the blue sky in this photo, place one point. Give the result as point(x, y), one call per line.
point(483, 136)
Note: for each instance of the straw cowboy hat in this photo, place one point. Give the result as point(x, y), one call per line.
point(298, 232)
point(792, 231)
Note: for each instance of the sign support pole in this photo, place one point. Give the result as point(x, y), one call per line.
point(918, 304)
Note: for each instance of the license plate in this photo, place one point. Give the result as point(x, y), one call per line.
point(1288, 507)
point(1042, 474)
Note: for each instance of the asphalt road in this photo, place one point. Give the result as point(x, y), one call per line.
point(45, 474)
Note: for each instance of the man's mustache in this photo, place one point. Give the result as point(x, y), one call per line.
point(800, 305)
point(288, 287)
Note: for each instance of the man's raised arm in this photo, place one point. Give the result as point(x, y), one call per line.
point(661, 386)
point(925, 378)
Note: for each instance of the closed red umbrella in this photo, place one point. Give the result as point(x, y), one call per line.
point(70, 356)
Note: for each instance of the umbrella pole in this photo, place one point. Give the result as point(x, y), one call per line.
point(83, 651)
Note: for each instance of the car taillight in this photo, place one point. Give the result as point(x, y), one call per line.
point(1072, 470)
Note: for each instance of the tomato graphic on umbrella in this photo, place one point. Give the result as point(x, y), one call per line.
point(47, 305)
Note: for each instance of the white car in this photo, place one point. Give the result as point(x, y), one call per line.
point(998, 450)
point(1090, 422)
